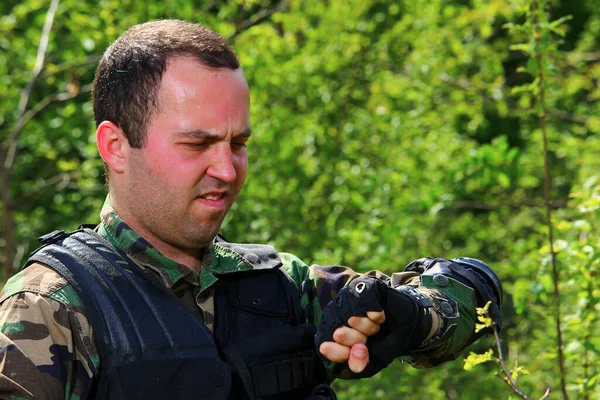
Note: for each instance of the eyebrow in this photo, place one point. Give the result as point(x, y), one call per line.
point(207, 135)
point(247, 132)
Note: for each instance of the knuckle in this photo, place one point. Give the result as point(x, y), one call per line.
point(340, 334)
point(377, 316)
point(357, 322)
point(374, 330)
point(325, 348)
point(336, 353)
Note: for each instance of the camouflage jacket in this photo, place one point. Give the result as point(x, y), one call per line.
point(47, 346)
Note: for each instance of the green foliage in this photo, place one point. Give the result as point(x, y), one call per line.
point(474, 359)
point(483, 318)
point(384, 132)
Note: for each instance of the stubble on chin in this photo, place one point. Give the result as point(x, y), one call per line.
point(198, 232)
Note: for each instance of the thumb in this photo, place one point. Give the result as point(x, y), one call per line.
point(359, 358)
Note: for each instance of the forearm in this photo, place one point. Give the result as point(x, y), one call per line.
point(463, 284)
point(443, 322)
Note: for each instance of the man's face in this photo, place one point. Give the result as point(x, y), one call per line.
point(181, 184)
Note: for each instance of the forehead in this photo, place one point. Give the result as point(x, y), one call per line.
point(187, 78)
point(193, 96)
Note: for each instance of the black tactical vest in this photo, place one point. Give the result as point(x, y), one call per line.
point(152, 347)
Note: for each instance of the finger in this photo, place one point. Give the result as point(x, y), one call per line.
point(376, 316)
point(348, 337)
point(364, 325)
point(359, 358)
point(334, 352)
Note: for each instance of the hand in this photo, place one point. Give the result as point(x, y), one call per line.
point(405, 327)
point(350, 341)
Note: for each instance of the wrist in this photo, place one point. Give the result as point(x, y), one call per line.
point(436, 324)
point(454, 313)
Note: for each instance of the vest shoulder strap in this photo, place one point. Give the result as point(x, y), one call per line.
point(148, 342)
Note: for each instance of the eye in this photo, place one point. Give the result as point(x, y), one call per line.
point(196, 145)
point(238, 144)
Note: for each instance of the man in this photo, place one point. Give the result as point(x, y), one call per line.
point(153, 303)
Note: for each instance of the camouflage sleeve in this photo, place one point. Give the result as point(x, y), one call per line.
point(46, 346)
point(318, 285)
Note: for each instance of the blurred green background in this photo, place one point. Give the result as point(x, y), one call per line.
point(385, 131)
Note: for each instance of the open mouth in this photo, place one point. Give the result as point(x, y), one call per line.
point(217, 196)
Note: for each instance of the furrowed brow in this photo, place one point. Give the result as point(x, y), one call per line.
point(197, 134)
point(246, 133)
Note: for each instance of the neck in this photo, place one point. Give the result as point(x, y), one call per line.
point(188, 257)
point(191, 258)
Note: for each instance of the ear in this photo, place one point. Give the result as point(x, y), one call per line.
point(112, 145)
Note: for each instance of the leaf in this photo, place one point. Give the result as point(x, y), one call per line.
point(532, 66)
point(474, 359)
point(518, 370)
point(524, 47)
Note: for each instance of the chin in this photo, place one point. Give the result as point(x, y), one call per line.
point(203, 239)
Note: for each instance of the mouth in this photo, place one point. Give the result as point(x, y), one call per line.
point(214, 199)
point(212, 196)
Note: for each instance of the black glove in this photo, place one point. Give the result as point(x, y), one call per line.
point(407, 320)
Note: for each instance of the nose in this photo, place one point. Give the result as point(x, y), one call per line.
point(221, 164)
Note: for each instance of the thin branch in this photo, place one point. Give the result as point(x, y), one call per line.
point(88, 188)
point(89, 61)
point(509, 379)
point(568, 117)
point(461, 83)
point(57, 97)
point(587, 57)
point(209, 5)
point(26, 94)
point(587, 340)
point(544, 112)
point(259, 17)
point(477, 205)
point(18, 256)
point(62, 180)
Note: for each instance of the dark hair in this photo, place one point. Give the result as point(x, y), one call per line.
point(126, 84)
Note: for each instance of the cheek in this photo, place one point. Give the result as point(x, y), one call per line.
point(165, 160)
point(241, 165)
point(157, 155)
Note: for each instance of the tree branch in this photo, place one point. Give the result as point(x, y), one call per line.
point(508, 377)
point(26, 94)
point(259, 17)
point(62, 180)
point(507, 373)
point(587, 57)
point(57, 97)
point(89, 61)
point(209, 5)
point(563, 115)
point(477, 205)
point(461, 83)
point(539, 57)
